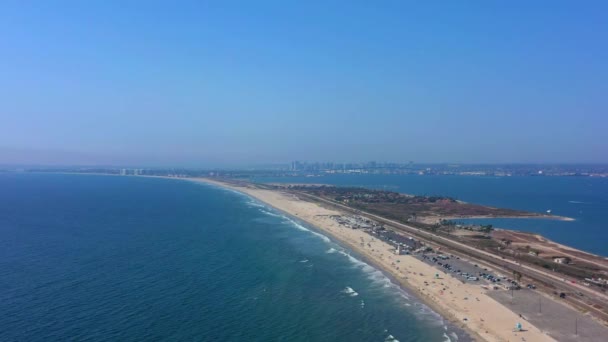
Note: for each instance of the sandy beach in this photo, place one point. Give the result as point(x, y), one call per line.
point(466, 305)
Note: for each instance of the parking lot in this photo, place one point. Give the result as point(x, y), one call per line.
point(468, 271)
point(564, 323)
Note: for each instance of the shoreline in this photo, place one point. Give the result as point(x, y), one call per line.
point(352, 251)
point(404, 286)
point(427, 292)
point(355, 253)
point(462, 313)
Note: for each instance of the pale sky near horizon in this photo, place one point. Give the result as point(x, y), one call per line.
point(212, 83)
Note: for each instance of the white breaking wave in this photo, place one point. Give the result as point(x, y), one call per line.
point(576, 202)
point(289, 220)
point(304, 261)
point(424, 310)
point(301, 227)
point(378, 278)
point(255, 204)
point(375, 275)
point(233, 191)
point(349, 291)
point(331, 250)
point(270, 213)
point(391, 338)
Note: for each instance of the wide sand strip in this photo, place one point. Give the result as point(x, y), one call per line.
point(463, 303)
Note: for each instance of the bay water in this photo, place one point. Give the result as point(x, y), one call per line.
point(585, 199)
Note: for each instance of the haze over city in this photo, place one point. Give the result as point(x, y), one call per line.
point(241, 83)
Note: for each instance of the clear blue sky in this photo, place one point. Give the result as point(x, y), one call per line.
point(223, 83)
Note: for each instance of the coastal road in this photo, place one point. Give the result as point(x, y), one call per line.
point(484, 256)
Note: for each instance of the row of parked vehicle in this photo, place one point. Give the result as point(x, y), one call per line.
point(450, 267)
point(490, 277)
point(469, 276)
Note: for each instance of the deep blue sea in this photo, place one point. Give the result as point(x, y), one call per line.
point(583, 198)
point(103, 258)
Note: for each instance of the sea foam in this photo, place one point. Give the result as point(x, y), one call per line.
point(288, 220)
point(451, 337)
point(301, 227)
point(270, 213)
point(391, 338)
point(349, 291)
point(380, 280)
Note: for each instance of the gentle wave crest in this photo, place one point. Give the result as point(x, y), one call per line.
point(301, 227)
point(270, 213)
point(381, 280)
point(349, 291)
point(391, 338)
point(289, 220)
point(451, 337)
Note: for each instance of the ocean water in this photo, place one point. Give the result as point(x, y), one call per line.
point(583, 198)
point(102, 258)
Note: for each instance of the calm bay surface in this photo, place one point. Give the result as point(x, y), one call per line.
point(102, 258)
point(583, 198)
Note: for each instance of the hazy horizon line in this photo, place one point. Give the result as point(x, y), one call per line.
point(263, 165)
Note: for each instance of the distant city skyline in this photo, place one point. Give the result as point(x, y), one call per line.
point(193, 84)
point(304, 168)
